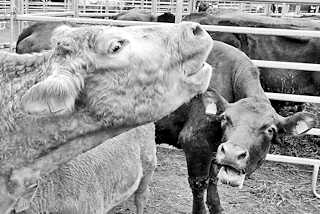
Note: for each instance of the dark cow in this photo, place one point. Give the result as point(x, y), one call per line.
point(166, 17)
point(234, 136)
point(36, 37)
point(274, 48)
point(202, 6)
point(144, 16)
point(135, 15)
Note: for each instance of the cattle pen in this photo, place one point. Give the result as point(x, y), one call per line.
point(72, 11)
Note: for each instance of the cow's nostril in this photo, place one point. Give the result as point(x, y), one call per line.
point(242, 156)
point(196, 30)
point(222, 149)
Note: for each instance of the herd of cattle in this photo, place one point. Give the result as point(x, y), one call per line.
point(91, 83)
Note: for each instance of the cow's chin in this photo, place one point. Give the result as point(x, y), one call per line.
point(230, 176)
point(191, 71)
point(200, 76)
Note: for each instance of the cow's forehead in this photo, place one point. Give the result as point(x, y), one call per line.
point(134, 31)
point(252, 109)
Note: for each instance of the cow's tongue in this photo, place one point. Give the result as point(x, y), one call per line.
point(230, 176)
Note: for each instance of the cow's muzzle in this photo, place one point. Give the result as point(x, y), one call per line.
point(233, 160)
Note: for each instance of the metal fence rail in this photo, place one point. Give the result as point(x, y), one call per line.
point(302, 161)
point(290, 8)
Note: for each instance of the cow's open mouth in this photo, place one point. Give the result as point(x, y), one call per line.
point(231, 176)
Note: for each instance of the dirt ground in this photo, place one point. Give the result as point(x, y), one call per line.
point(272, 189)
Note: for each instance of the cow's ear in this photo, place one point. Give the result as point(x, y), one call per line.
point(214, 103)
point(64, 46)
point(62, 39)
point(298, 123)
point(54, 95)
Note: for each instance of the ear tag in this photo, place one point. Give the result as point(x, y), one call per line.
point(211, 109)
point(301, 127)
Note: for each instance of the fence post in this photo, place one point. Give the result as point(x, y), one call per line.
point(26, 8)
point(298, 8)
point(106, 8)
point(154, 7)
point(267, 9)
point(285, 9)
point(19, 10)
point(179, 9)
point(75, 7)
point(190, 6)
point(44, 6)
point(12, 17)
point(69, 6)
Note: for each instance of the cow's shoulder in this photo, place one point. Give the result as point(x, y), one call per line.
point(227, 60)
point(234, 74)
point(200, 132)
point(222, 50)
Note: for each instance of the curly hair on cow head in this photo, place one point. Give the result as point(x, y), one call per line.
point(69, 64)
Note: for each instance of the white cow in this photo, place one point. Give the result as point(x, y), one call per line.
point(99, 179)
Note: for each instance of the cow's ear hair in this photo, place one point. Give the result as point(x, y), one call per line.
point(298, 123)
point(214, 103)
point(62, 39)
point(64, 46)
point(55, 95)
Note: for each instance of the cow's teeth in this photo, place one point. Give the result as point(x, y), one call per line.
point(242, 180)
point(231, 177)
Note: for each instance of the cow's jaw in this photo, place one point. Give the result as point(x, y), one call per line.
point(202, 68)
point(198, 76)
point(231, 176)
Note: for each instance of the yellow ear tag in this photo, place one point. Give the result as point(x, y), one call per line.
point(211, 109)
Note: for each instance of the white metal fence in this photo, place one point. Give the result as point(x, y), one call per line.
point(85, 7)
point(260, 63)
point(269, 7)
point(94, 6)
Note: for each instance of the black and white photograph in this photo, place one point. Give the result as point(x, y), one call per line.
point(159, 106)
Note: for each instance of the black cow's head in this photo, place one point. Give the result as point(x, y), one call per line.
point(166, 17)
point(249, 127)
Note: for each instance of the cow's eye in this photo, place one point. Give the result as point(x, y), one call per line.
point(116, 46)
point(270, 131)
